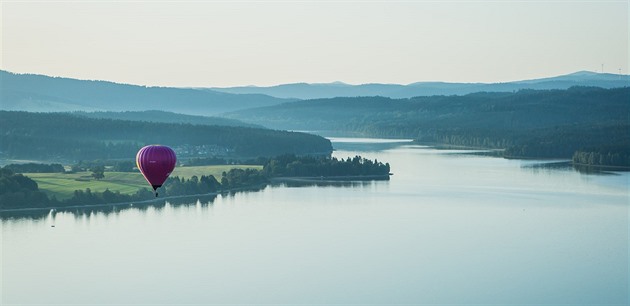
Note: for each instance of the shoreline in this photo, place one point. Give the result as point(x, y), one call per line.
point(26, 209)
point(603, 167)
point(569, 160)
point(245, 188)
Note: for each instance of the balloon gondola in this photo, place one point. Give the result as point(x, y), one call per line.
point(156, 163)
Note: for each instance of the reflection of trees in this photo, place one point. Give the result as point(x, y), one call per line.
point(233, 192)
point(589, 169)
point(292, 183)
point(569, 166)
point(80, 212)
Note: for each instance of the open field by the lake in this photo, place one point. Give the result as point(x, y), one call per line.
point(188, 172)
point(63, 185)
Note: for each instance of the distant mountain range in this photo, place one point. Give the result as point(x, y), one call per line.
point(338, 89)
point(39, 93)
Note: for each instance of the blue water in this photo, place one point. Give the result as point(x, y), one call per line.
point(447, 228)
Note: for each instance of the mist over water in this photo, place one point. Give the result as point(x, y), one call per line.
point(447, 228)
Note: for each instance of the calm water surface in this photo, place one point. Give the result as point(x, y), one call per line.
point(446, 229)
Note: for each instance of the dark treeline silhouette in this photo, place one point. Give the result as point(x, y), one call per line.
point(17, 190)
point(233, 179)
point(309, 166)
point(87, 197)
point(618, 156)
point(64, 136)
point(527, 123)
point(194, 185)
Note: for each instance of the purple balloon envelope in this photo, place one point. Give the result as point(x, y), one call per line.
point(156, 163)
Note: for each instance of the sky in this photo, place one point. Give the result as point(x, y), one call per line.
point(237, 43)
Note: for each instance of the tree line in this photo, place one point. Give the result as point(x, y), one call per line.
point(618, 156)
point(311, 166)
point(19, 191)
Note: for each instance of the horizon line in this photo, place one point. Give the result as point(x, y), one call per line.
point(337, 82)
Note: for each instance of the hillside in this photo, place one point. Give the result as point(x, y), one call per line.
point(524, 109)
point(338, 89)
point(564, 120)
point(164, 117)
point(59, 136)
point(39, 93)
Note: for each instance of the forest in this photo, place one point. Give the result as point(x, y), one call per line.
point(19, 191)
point(165, 117)
point(311, 166)
point(618, 156)
point(526, 123)
point(59, 136)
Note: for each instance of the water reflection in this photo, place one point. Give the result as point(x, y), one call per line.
point(570, 166)
point(296, 183)
point(343, 145)
point(179, 201)
point(446, 229)
point(367, 145)
point(109, 209)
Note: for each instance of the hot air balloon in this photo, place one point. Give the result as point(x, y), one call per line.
point(156, 163)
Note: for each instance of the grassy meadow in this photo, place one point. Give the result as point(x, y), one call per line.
point(188, 172)
point(63, 185)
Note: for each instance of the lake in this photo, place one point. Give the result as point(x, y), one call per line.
point(447, 228)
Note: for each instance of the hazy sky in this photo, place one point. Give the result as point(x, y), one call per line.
point(229, 43)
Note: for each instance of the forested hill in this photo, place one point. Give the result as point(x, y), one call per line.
point(532, 123)
point(166, 117)
point(39, 93)
point(59, 136)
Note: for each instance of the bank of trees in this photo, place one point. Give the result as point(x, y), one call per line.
point(310, 166)
point(615, 156)
point(232, 179)
point(18, 191)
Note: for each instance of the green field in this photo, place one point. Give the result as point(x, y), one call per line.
point(63, 185)
point(188, 172)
